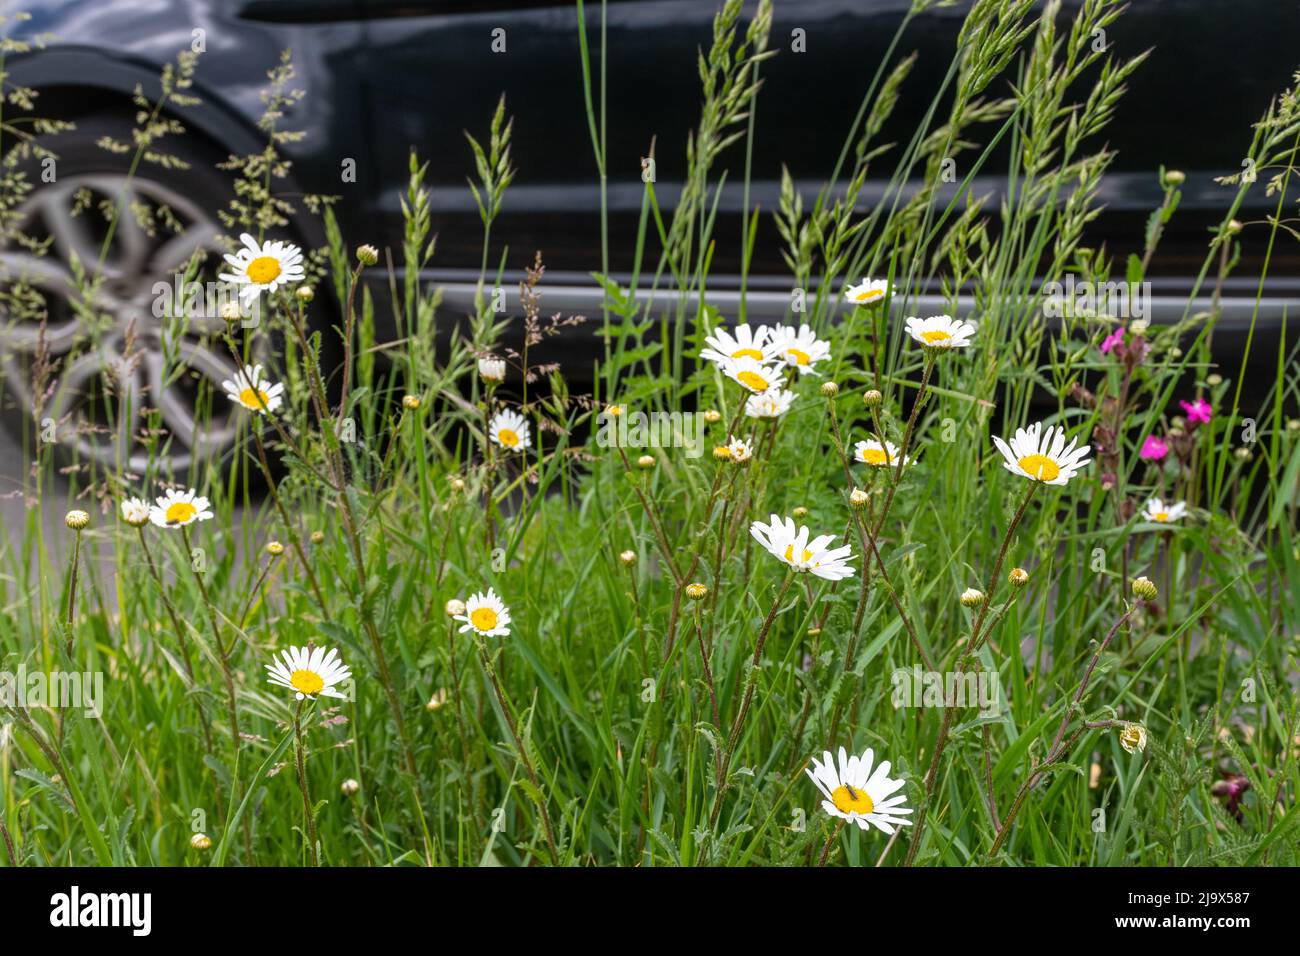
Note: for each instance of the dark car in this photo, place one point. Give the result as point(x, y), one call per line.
point(384, 76)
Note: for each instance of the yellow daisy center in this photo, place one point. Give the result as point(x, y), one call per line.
point(253, 398)
point(263, 269)
point(507, 438)
point(483, 618)
point(936, 335)
point(755, 354)
point(1160, 516)
point(874, 456)
point(801, 358)
point(866, 296)
point(852, 800)
point(307, 682)
point(753, 381)
point(789, 555)
point(1040, 467)
point(179, 512)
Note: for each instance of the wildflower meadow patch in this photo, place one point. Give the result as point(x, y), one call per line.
point(964, 560)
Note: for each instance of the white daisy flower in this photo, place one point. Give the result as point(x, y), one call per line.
point(492, 369)
point(940, 331)
point(1162, 512)
point(177, 508)
point(135, 512)
point(799, 348)
point(773, 403)
point(792, 546)
point(254, 390)
point(755, 376)
point(308, 671)
point(486, 615)
point(872, 452)
point(1042, 455)
point(855, 793)
point(740, 449)
point(867, 291)
point(263, 268)
point(741, 342)
point(509, 429)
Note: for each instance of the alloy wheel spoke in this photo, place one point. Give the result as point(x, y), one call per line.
point(49, 277)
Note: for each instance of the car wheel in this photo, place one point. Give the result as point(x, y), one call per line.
point(117, 355)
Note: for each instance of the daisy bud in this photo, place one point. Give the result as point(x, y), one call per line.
point(696, 591)
point(712, 416)
point(135, 512)
point(722, 453)
point(628, 558)
point(1144, 588)
point(858, 498)
point(76, 520)
point(411, 402)
point(274, 548)
point(492, 369)
point(1139, 326)
point(317, 537)
point(646, 462)
point(454, 608)
point(1293, 425)
point(814, 631)
point(201, 842)
point(1175, 352)
point(367, 255)
point(1214, 379)
point(972, 597)
point(830, 389)
point(800, 512)
point(1243, 453)
point(1234, 227)
point(1133, 737)
point(437, 700)
point(349, 787)
point(458, 484)
point(305, 292)
point(230, 312)
point(1175, 177)
point(872, 398)
point(1018, 577)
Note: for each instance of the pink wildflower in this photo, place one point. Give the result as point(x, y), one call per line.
point(1111, 341)
point(1197, 411)
point(1154, 449)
